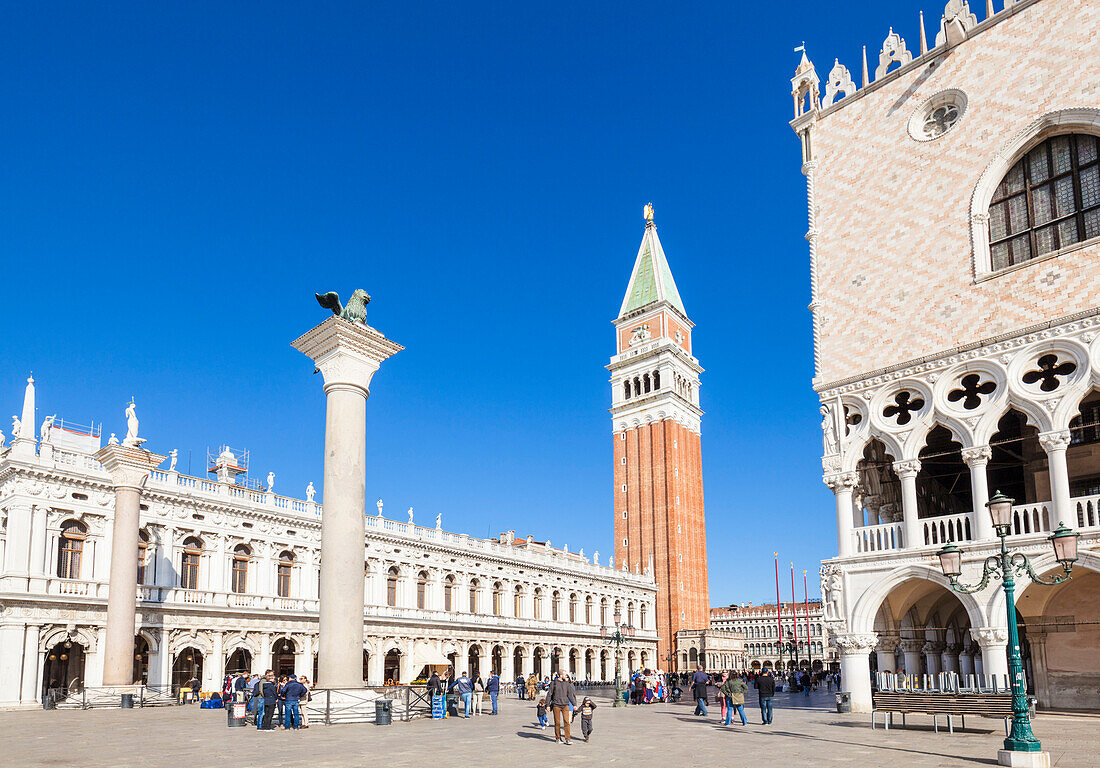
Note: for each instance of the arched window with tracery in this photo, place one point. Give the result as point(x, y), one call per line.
point(239, 577)
point(517, 602)
point(189, 563)
point(603, 611)
point(626, 389)
point(498, 598)
point(536, 603)
point(1048, 201)
point(555, 604)
point(70, 549)
point(286, 563)
point(588, 609)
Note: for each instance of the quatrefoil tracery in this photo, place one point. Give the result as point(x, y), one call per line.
point(905, 405)
point(1048, 372)
point(971, 390)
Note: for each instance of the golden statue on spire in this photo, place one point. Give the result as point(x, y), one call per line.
point(648, 212)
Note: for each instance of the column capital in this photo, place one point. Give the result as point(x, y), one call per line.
point(911, 646)
point(1057, 440)
point(907, 468)
point(855, 643)
point(888, 643)
point(977, 456)
point(127, 466)
point(844, 481)
point(347, 354)
point(934, 646)
point(990, 637)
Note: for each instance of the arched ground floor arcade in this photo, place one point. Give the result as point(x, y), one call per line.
point(47, 646)
point(904, 617)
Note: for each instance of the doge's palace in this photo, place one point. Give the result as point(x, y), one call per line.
point(954, 248)
point(228, 581)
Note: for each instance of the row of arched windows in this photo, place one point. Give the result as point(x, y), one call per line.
point(642, 385)
point(74, 534)
point(560, 605)
point(757, 631)
point(774, 649)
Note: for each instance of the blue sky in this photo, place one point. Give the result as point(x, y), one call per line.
point(179, 178)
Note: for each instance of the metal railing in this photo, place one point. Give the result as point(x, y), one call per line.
point(110, 697)
point(943, 682)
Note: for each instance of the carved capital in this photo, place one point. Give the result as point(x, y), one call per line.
point(1054, 441)
point(888, 644)
point(990, 636)
point(977, 456)
point(907, 468)
point(128, 466)
point(911, 646)
point(934, 646)
point(845, 481)
point(856, 643)
point(347, 354)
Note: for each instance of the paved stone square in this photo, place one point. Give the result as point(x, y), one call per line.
point(805, 733)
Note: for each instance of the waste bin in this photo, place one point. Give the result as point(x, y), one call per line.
point(383, 712)
point(127, 701)
point(236, 713)
point(844, 702)
point(1032, 702)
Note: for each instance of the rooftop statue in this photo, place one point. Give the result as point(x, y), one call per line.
point(132, 440)
point(356, 309)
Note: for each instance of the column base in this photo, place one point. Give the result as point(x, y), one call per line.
point(1023, 759)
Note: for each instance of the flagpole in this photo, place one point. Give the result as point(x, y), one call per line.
point(809, 647)
point(794, 610)
point(778, 610)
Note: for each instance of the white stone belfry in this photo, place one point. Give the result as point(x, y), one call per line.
point(129, 467)
point(347, 354)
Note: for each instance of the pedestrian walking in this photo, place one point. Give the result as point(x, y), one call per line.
point(585, 711)
point(493, 689)
point(479, 694)
point(540, 712)
point(561, 696)
point(521, 687)
point(532, 686)
point(765, 686)
point(699, 683)
point(732, 692)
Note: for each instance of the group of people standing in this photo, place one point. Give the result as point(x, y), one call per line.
point(731, 691)
point(469, 692)
point(280, 700)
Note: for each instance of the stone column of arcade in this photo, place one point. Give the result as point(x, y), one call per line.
point(347, 352)
point(855, 667)
point(129, 467)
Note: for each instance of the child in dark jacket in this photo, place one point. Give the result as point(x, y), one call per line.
point(585, 711)
point(540, 710)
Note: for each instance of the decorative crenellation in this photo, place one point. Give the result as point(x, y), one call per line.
point(957, 24)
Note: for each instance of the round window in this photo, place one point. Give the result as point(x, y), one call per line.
point(938, 115)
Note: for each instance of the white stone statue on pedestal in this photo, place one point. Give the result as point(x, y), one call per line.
point(1, 442)
point(611, 562)
point(596, 557)
point(47, 423)
point(132, 440)
point(379, 505)
point(112, 440)
point(830, 441)
point(16, 427)
point(310, 492)
point(439, 522)
point(172, 456)
point(271, 482)
point(410, 515)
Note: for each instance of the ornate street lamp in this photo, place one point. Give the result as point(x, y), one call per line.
point(617, 635)
point(1064, 543)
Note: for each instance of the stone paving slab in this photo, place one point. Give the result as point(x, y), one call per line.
point(805, 733)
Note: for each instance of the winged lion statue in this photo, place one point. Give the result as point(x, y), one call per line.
point(355, 310)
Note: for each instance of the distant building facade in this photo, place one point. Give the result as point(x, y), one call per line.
point(767, 633)
point(660, 527)
point(954, 249)
point(228, 581)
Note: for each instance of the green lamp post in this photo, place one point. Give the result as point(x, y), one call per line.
point(1003, 566)
point(617, 635)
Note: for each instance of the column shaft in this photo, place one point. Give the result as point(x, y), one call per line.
point(118, 653)
point(978, 459)
point(32, 683)
point(907, 473)
point(1055, 444)
point(340, 646)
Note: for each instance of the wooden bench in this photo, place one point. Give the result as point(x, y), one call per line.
point(937, 704)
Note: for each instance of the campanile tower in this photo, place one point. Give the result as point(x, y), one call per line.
point(659, 524)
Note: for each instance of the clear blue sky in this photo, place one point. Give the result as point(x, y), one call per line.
point(180, 178)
